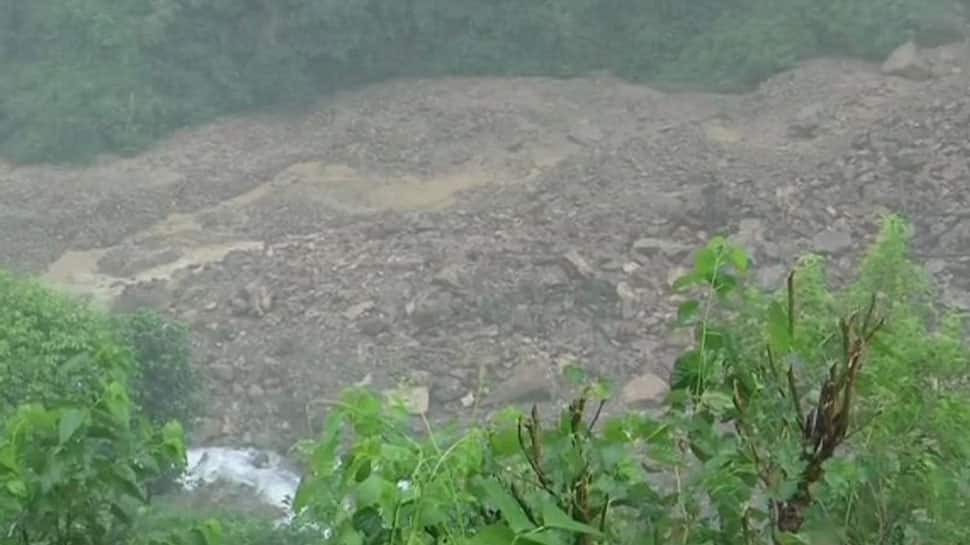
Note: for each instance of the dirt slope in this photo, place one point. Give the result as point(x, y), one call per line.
point(465, 237)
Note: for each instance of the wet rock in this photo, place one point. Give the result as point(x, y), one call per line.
point(832, 241)
point(653, 246)
point(416, 399)
point(254, 299)
point(629, 300)
point(223, 372)
point(529, 382)
point(153, 295)
point(255, 391)
point(358, 310)
point(449, 277)
point(373, 327)
point(906, 62)
point(908, 160)
point(644, 391)
point(806, 122)
point(771, 276)
point(575, 265)
point(447, 388)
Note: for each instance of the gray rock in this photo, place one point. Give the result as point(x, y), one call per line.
point(528, 382)
point(906, 62)
point(374, 326)
point(646, 390)
point(223, 372)
point(358, 310)
point(832, 241)
point(806, 122)
point(576, 265)
point(416, 399)
point(652, 246)
point(449, 277)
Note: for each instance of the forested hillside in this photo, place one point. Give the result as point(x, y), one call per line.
point(89, 76)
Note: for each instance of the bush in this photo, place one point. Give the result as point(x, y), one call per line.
point(42, 336)
point(236, 529)
point(164, 383)
point(88, 76)
point(75, 469)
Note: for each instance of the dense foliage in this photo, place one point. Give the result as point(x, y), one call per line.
point(164, 383)
point(87, 76)
point(77, 455)
point(42, 335)
point(809, 415)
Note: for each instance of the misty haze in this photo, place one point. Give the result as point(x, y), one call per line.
point(480, 272)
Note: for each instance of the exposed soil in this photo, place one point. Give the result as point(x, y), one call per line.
point(465, 237)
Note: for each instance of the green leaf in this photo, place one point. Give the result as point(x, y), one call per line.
point(683, 283)
point(70, 422)
point(508, 505)
point(738, 258)
point(496, 534)
point(717, 402)
point(541, 536)
point(370, 490)
point(554, 517)
point(777, 326)
point(687, 312)
point(688, 374)
point(124, 477)
point(575, 375)
point(18, 488)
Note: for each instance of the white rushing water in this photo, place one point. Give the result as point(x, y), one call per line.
point(263, 471)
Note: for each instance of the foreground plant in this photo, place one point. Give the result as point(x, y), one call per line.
point(809, 416)
point(799, 420)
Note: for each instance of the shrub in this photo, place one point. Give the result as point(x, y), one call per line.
point(235, 529)
point(75, 472)
point(164, 384)
point(42, 334)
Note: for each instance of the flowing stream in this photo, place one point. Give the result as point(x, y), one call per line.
point(266, 473)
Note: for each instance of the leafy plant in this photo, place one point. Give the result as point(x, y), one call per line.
point(42, 333)
point(803, 422)
point(164, 383)
point(75, 473)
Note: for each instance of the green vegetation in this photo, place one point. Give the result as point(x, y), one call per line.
point(165, 384)
point(810, 415)
point(89, 76)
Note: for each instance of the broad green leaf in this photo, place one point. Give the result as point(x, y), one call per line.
point(738, 258)
point(541, 536)
point(777, 326)
point(370, 490)
point(124, 477)
point(508, 505)
point(496, 534)
point(687, 372)
point(687, 312)
point(683, 283)
point(575, 375)
point(554, 517)
point(718, 402)
point(18, 488)
point(71, 421)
